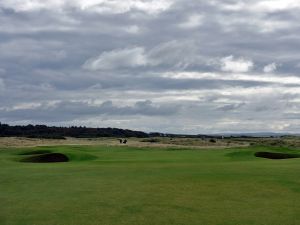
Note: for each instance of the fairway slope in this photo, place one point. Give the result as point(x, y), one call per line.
point(123, 185)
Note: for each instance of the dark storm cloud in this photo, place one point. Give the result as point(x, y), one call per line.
point(221, 62)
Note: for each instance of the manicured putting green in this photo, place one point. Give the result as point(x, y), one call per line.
point(123, 185)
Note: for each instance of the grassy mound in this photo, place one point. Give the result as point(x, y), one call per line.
point(55, 154)
point(46, 158)
point(276, 155)
point(36, 152)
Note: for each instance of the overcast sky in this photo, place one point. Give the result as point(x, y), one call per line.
point(179, 66)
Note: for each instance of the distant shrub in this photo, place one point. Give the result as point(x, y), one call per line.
point(152, 140)
point(212, 140)
point(277, 143)
point(57, 137)
point(43, 131)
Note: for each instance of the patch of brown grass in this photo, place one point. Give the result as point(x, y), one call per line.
point(6, 142)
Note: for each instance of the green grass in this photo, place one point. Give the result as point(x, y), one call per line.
point(122, 185)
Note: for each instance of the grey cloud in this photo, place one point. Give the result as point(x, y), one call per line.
point(171, 54)
point(67, 110)
point(100, 6)
point(292, 116)
point(230, 107)
point(129, 57)
point(128, 48)
point(2, 85)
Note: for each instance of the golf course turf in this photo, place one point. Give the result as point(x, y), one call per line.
point(106, 185)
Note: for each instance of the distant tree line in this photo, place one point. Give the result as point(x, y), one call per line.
point(52, 132)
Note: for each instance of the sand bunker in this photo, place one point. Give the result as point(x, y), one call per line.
point(276, 155)
point(46, 158)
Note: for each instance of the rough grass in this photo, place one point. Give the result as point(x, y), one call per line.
point(149, 186)
point(133, 142)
